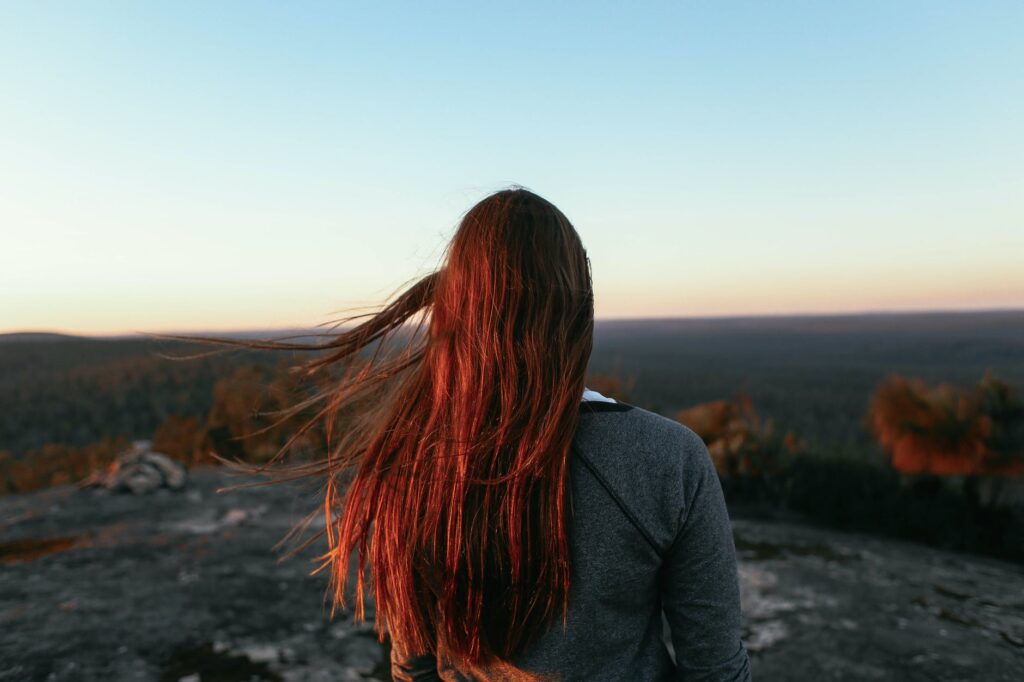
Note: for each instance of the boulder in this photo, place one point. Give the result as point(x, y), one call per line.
point(140, 470)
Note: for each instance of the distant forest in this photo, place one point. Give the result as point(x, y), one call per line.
point(77, 391)
point(812, 375)
point(905, 425)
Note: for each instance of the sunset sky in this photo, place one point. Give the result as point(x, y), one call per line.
point(215, 166)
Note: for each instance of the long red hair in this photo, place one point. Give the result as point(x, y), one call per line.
point(448, 436)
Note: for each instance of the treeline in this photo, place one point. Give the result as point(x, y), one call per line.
point(76, 392)
point(952, 475)
point(245, 420)
point(814, 374)
point(943, 465)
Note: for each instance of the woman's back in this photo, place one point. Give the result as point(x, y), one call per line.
point(649, 532)
point(489, 505)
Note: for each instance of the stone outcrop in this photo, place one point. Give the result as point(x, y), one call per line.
point(140, 470)
point(96, 587)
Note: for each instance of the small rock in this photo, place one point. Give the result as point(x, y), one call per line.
point(139, 470)
point(262, 653)
point(234, 517)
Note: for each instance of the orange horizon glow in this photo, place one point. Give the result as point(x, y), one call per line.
point(244, 328)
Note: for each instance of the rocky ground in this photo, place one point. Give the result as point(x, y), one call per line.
point(174, 586)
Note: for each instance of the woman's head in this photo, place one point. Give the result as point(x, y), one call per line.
point(447, 444)
point(511, 317)
point(515, 254)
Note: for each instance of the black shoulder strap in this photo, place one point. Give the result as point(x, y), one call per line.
point(615, 497)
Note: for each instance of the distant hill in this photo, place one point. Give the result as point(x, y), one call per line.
point(77, 391)
point(28, 337)
point(248, 334)
point(813, 374)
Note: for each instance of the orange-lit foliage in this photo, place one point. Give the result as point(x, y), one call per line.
point(242, 423)
point(181, 438)
point(739, 441)
point(245, 420)
point(55, 464)
point(612, 386)
point(944, 431)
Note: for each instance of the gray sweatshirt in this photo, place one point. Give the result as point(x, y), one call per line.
point(652, 551)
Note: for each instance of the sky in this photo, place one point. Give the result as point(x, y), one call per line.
point(176, 166)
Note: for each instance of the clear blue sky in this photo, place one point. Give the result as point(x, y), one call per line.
point(214, 165)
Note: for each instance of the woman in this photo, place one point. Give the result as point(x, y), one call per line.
point(515, 525)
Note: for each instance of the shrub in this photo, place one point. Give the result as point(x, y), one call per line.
point(55, 464)
point(741, 444)
point(944, 431)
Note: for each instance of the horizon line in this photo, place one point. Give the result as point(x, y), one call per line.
point(655, 318)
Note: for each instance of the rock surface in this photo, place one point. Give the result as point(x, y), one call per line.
point(186, 586)
point(824, 605)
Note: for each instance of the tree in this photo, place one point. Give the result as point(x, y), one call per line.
point(738, 440)
point(942, 431)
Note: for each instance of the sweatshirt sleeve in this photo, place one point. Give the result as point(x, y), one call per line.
point(700, 593)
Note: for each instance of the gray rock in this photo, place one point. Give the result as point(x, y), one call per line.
point(139, 470)
point(125, 587)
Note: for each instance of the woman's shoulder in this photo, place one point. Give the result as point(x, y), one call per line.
point(644, 434)
point(653, 463)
